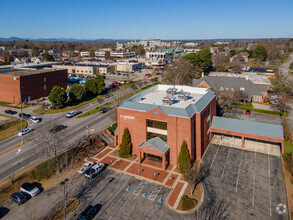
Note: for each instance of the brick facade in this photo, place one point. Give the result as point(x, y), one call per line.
point(32, 86)
point(192, 130)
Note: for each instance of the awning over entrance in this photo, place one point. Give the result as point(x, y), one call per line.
point(155, 146)
point(249, 129)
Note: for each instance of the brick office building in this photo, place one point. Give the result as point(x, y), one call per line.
point(32, 84)
point(159, 119)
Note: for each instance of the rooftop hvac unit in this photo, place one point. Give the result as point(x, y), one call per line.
point(183, 95)
point(168, 100)
point(171, 91)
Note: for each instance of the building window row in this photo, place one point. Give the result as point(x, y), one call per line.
point(157, 124)
point(153, 135)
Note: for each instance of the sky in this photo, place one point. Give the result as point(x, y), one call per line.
point(141, 19)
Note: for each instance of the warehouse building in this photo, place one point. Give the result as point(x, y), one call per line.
point(29, 84)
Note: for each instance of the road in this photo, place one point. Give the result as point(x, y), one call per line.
point(30, 152)
point(284, 68)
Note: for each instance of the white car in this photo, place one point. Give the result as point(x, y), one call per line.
point(29, 189)
point(34, 119)
point(24, 131)
point(86, 167)
point(72, 113)
point(95, 170)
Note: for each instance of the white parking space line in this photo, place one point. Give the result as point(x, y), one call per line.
point(215, 155)
point(253, 183)
point(226, 161)
point(140, 187)
point(155, 192)
point(239, 170)
point(269, 182)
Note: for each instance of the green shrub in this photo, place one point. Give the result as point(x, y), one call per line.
point(112, 128)
point(184, 158)
point(126, 146)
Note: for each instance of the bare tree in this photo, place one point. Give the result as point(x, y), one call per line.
point(213, 210)
point(287, 131)
point(196, 175)
point(181, 73)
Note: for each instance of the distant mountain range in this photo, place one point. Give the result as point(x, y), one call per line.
point(63, 39)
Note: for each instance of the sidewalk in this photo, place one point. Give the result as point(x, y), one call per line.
point(146, 171)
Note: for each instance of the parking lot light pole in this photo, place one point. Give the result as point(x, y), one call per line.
point(63, 183)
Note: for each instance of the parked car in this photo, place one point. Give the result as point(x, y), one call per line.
point(247, 112)
point(115, 84)
point(72, 114)
point(86, 167)
point(34, 119)
point(228, 108)
point(29, 189)
point(88, 213)
point(18, 197)
point(10, 112)
point(24, 131)
point(103, 110)
point(24, 115)
point(57, 128)
point(94, 170)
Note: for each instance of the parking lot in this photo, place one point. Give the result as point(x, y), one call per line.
point(124, 197)
point(249, 183)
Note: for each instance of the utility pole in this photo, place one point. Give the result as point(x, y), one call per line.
point(63, 183)
point(21, 118)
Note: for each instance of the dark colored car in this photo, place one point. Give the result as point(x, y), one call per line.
point(24, 115)
point(57, 128)
point(18, 197)
point(247, 112)
point(10, 112)
point(103, 110)
point(88, 213)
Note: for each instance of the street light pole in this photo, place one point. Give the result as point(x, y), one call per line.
point(63, 183)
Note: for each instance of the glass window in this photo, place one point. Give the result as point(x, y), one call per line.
point(157, 124)
point(152, 135)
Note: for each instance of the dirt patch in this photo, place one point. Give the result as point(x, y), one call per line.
point(59, 214)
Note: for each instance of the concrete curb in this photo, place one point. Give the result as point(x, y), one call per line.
point(286, 188)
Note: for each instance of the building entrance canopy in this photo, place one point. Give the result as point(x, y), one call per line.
point(155, 146)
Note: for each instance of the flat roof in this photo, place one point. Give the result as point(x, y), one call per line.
point(157, 97)
point(23, 72)
point(248, 127)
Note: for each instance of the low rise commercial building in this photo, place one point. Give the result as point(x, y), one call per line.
point(161, 118)
point(29, 84)
point(82, 70)
point(127, 67)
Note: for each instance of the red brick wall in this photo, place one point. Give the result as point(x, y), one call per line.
point(178, 129)
point(31, 85)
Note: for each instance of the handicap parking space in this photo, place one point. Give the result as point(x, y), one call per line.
point(130, 198)
point(249, 182)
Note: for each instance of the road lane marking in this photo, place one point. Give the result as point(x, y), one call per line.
point(140, 187)
point(226, 161)
point(18, 151)
point(155, 192)
point(269, 182)
point(253, 183)
point(215, 155)
point(239, 171)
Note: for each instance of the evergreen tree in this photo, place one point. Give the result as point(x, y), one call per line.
point(76, 92)
point(260, 53)
point(184, 158)
point(58, 97)
point(126, 146)
point(95, 86)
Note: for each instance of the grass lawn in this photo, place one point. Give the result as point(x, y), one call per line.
point(69, 106)
point(11, 128)
point(288, 148)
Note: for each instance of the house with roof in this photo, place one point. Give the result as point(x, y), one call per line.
point(255, 92)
